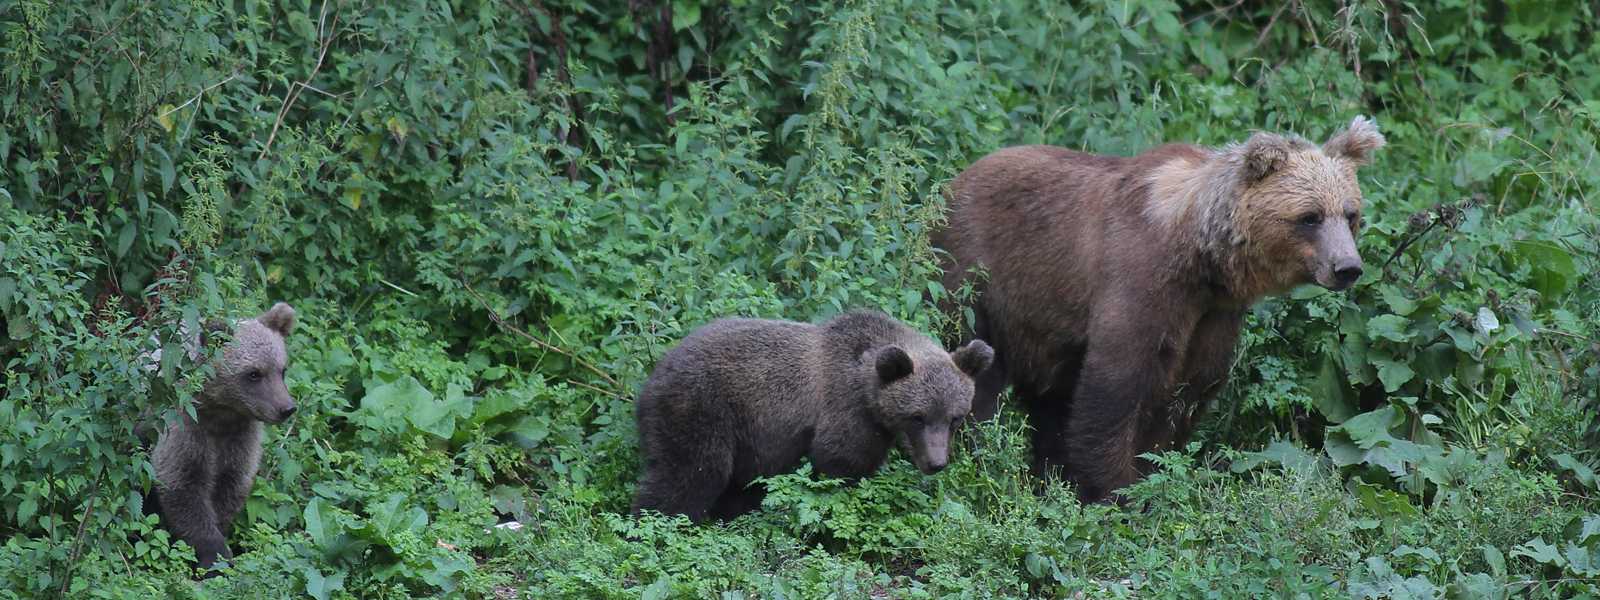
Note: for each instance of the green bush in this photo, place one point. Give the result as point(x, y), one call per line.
point(493, 217)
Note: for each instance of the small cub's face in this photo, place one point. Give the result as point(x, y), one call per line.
point(926, 397)
point(250, 376)
point(1303, 206)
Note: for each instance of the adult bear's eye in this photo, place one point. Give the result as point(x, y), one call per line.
point(1310, 219)
point(255, 375)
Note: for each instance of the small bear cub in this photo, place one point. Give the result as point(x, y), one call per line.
point(205, 466)
point(744, 398)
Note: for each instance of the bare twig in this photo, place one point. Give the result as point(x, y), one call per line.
point(294, 89)
point(83, 526)
point(1270, 22)
point(1213, 12)
point(498, 320)
point(1406, 243)
point(196, 97)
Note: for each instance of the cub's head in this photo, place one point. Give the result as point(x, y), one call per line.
point(248, 378)
point(1298, 209)
point(923, 393)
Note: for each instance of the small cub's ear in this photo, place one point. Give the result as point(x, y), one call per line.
point(279, 318)
point(1264, 154)
point(973, 358)
point(1356, 143)
point(893, 363)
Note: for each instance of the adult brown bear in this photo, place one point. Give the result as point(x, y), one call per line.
point(1115, 286)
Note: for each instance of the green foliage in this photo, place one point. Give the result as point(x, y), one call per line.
point(492, 218)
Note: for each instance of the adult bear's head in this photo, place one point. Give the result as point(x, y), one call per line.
point(1298, 209)
point(924, 393)
point(1275, 211)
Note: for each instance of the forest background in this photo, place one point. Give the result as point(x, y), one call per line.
point(493, 217)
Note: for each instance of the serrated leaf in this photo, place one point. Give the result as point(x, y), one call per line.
point(1397, 300)
point(26, 510)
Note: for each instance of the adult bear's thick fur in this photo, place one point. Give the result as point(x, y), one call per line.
point(1115, 285)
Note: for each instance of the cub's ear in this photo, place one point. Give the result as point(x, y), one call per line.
point(892, 363)
point(1356, 143)
point(973, 358)
point(1262, 155)
point(214, 331)
point(279, 318)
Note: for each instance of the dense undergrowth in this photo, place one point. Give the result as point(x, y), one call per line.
point(493, 216)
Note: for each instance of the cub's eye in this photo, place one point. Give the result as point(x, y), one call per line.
point(256, 375)
point(1310, 219)
point(955, 422)
point(1353, 218)
point(920, 420)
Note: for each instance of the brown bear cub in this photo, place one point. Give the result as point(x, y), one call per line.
point(745, 398)
point(1116, 285)
point(206, 466)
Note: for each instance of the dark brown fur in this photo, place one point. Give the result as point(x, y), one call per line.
point(1116, 286)
point(745, 398)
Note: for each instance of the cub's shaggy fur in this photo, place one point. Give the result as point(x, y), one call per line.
point(1116, 285)
point(745, 398)
point(206, 466)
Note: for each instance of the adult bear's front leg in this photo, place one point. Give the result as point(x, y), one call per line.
point(1127, 367)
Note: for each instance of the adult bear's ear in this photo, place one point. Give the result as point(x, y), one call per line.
point(973, 358)
point(1356, 143)
point(1262, 155)
point(279, 318)
point(892, 363)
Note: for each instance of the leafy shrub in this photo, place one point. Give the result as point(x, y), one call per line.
point(494, 216)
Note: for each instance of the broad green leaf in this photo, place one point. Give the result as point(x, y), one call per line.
point(1485, 321)
point(313, 520)
point(1292, 457)
point(1389, 327)
point(1392, 373)
point(1554, 269)
point(26, 510)
point(1397, 299)
point(320, 587)
point(1579, 470)
point(1495, 559)
point(1328, 392)
point(1540, 552)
